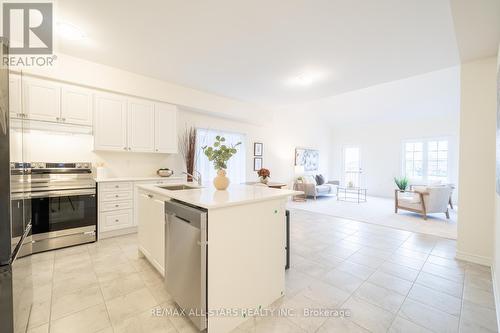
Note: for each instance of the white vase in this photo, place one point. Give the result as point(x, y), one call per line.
point(221, 182)
point(264, 180)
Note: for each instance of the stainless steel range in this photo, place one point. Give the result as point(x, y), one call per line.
point(60, 200)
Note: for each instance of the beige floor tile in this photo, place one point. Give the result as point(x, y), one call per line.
point(299, 305)
point(296, 281)
point(74, 282)
point(478, 315)
point(452, 274)
point(183, 325)
point(401, 325)
point(159, 292)
point(479, 296)
point(145, 322)
point(276, 325)
point(121, 286)
point(40, 329)
point(400, 271)
point(151, 277)
point(472, 327)
point(342, 280)
point(411, 262)
point(450, 263)
point(40, 313)
point(360, 271)
point(311, 268)
point(341, 325)
point(437, 299)
point(92, 319)
point(479, 281)
point(115, 272)
point(128, 305)
point(369, 316)
point(325, 294)
point(391, 282)
point(428, 317)
point(382, 297)
point(66, 304)
point(440, 284)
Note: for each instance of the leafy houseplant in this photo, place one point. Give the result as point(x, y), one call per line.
point(401, 183)
point(219, 154)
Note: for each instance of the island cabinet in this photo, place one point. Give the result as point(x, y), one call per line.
point(231, 243)
point(151, 229)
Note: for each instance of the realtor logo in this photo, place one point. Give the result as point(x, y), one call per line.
point(28, 27)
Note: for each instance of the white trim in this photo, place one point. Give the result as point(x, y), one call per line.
point(117, 232)
point(474, 258)
point(496, 296)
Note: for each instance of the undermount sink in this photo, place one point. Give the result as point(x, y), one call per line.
point(178, 187)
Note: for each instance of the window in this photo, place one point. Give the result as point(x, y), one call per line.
point(236, 166)
point(426, 160)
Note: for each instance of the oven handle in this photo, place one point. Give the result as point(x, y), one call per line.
point(64, 193)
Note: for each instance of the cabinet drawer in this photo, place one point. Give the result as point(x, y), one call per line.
point(115, 220)
point(118, 186)
point(115, 196)
point(115, 205)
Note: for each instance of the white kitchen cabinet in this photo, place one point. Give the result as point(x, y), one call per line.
point(76, 105)
point(165, 128)
point(151, 229)
point(15, 103)
point(42, 99)
point(110, 122)
point(141, 125)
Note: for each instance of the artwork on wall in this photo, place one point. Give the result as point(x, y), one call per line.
point(308, 158)
point(257, 163)
point(498, 133)
point(258, 149)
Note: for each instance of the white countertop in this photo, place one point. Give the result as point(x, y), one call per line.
point(137, 179)
point(210, 198)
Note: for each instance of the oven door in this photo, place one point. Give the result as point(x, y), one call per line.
point(63, 218)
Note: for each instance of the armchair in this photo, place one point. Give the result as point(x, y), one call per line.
point(424, 200)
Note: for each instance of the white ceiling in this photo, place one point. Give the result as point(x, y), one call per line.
point(250, 50)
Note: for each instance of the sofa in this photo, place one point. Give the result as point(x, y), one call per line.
point(424, 200)
point(315, 186)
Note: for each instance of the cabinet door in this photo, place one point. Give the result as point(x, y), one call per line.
point(42, 99)
point(158, 237)
point(140, 125)
point(15, 95)
point(165, 128)
point(151, 229)
point(110, 122)
point(76, 105)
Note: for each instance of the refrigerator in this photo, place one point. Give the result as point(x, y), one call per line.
point(16, 275)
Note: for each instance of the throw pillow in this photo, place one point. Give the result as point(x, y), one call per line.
point(320, 180)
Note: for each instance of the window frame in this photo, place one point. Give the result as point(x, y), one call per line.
point(425, 159)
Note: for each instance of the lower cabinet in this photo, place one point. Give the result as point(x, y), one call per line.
point(114, 220)
point(151, 229)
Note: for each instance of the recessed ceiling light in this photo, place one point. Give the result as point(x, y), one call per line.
point(305, 79)
point(70, 31)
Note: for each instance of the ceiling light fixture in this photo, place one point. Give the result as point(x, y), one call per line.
point(70, 31)
point(305, 79)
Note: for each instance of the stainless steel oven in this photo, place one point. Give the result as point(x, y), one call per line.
point(60, 200)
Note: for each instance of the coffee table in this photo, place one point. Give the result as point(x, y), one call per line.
point(351, 194)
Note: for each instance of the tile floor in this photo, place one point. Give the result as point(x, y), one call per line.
point(390, 281)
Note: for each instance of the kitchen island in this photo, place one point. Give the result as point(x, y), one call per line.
point(243, 241)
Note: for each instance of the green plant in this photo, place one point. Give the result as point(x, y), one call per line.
point(401, 183)
point(220, 153)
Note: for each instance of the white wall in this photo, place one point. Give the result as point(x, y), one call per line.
point(477, 161)
point(280, 131)
point(379, 118)
point(496, 245)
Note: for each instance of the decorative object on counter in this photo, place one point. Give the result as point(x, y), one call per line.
point(187, 147)
point(164, 172)
point(401, 183)
point(264, 175)
point(101, 171)
point(350, 184)
point(258, 149)
point(257, 163)
point(308, 158)
point(219, 154)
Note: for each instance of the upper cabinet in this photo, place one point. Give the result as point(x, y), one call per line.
point(15, 102)
point(76, 105)
point(110, 122)
point(165, 128)
point(141, 125)
point(42, 99)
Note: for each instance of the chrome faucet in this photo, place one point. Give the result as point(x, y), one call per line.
point(197, 178)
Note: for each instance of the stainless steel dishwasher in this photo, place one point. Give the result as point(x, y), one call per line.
point(186, 259)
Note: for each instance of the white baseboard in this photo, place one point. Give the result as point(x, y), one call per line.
point(117, 232)
point(481, 260)
point(495, 294)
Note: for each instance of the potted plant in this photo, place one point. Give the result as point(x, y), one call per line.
point(219, 154)
point(401, 183)
point(264, 175)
